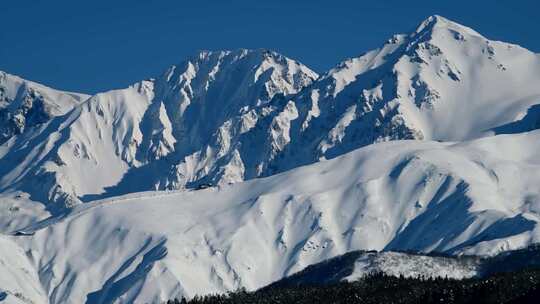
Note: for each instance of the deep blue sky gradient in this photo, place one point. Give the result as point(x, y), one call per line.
point(97, 45)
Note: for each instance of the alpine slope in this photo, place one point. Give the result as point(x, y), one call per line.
point(429, 143)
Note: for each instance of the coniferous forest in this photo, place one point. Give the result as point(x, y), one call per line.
point(512, 287)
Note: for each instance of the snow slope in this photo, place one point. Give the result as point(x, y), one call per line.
point(134, 139)
point(229, 116)
point(19, 280)
point(159, 133)
point(25, 104)
point(444, 182)
point(476, 197)
point(443, 81)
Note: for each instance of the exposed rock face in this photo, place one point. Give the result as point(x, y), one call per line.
point(24, 104)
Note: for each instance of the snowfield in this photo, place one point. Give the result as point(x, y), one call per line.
point(477, 197)
point(429, 143)
point(228, 116)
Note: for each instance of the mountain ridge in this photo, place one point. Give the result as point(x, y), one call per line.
point(237, 168)
point(226, 116)
point(401, 195)
point(137, 112)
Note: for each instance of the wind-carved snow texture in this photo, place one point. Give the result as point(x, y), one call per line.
point(194, 124)
point(217, 119)
point(478, 197)
point(225, 117)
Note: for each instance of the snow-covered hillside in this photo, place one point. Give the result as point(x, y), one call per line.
point(19, 280)
point(224, 117)
point(429, 143)
point(159, 133)
point(478, 197)
point(25, 104)
point(443, 82)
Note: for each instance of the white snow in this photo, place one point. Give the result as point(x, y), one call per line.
point(412, 266)
point(185, 126)
point(459, 175)
point(19, 280)
point(228, 116)
point(60, 102)
point(401, 195)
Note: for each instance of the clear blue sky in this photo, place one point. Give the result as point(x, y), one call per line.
point(96, 45)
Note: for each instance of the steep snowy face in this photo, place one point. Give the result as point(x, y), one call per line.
point(478, 197)
point(229, 116)
point(25, 104)
point(442, 82)
point(430, 84)
point(19, 282)
point(199, 96)
point(160, 133)
point(220, 106)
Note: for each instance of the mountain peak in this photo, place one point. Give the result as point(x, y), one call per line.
point(237, 53)
point(436, 22)
point(246, 58)
point(245, 65)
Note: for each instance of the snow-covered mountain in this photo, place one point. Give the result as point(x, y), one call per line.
point(441, 82)
point(478, 197)
point(299, 167)
point(160, 133)
point(225, 117)
point(25, 104)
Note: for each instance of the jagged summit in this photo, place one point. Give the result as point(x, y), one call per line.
point(245, 66)
point(398, 43)
point(222, 117)
point(427, 85)
point(193, 124)
point(260, 53)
